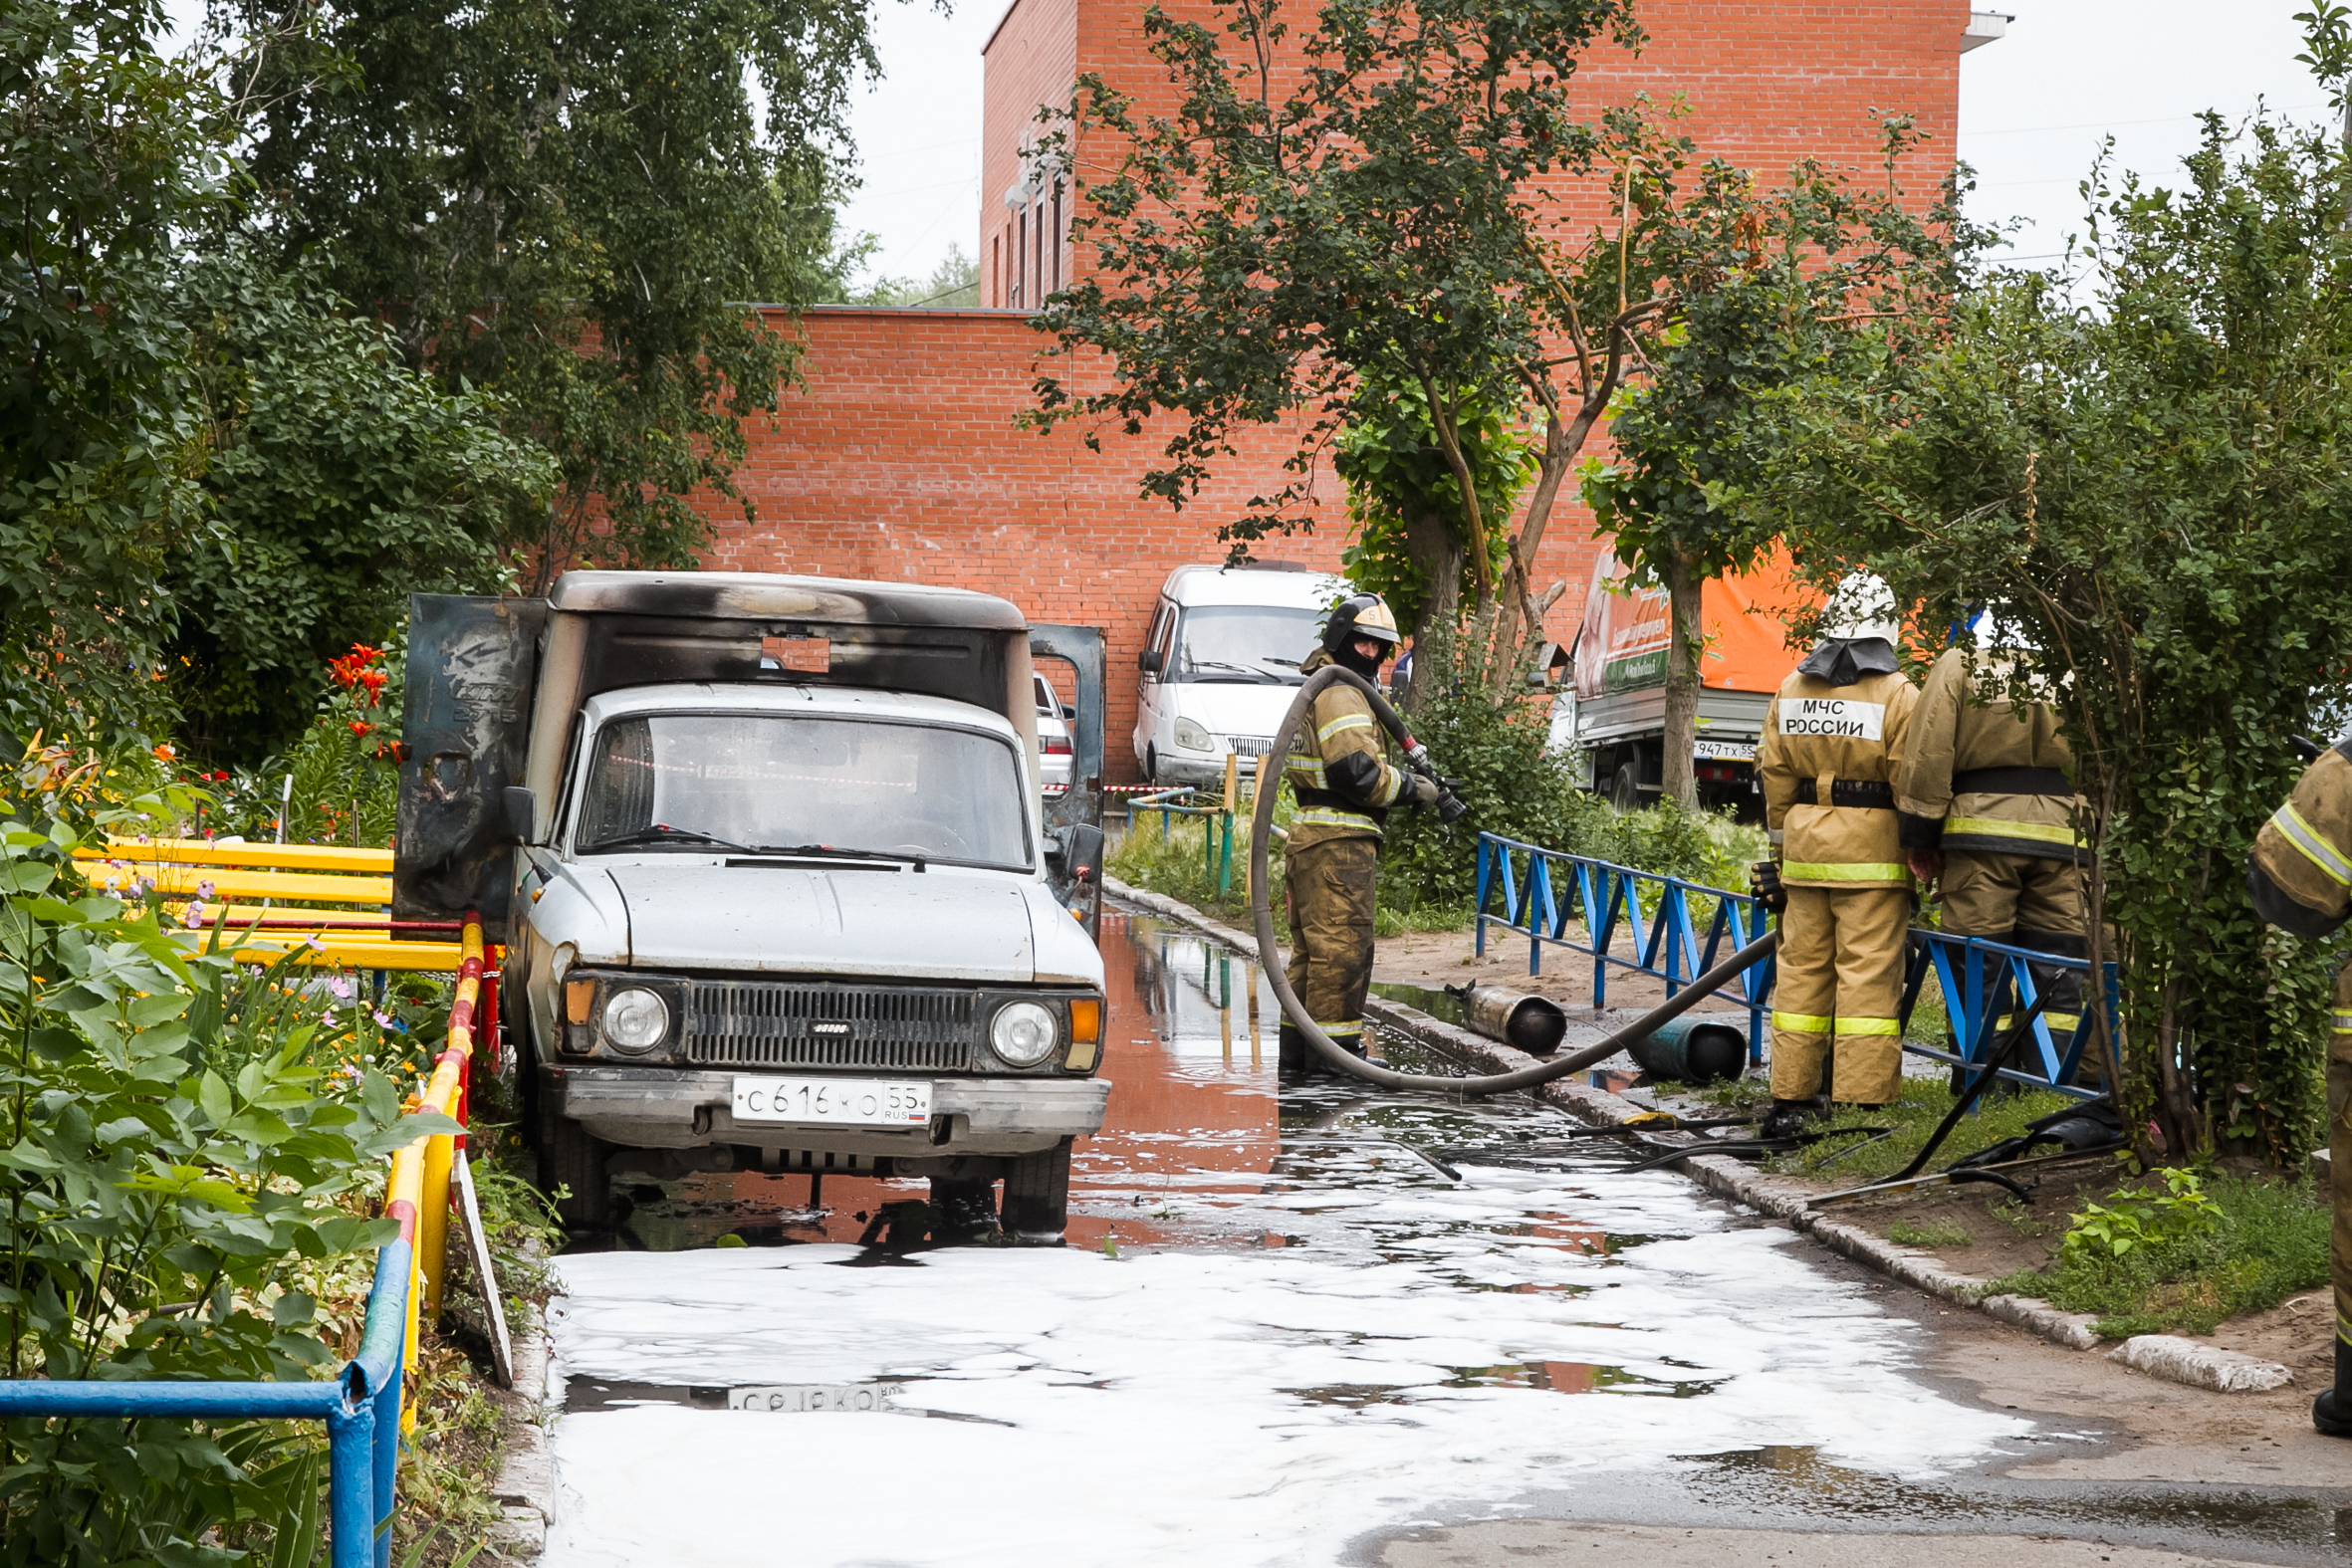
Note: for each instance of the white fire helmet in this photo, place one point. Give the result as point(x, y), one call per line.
point(1862, 607)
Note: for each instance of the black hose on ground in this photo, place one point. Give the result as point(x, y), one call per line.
point(1261, 828)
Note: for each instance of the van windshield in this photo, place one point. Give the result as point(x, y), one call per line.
point(1252, 644)
point(699, 782)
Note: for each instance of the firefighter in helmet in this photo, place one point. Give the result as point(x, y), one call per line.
point(1345, 786)
point(1988, 810)
point(2299, 876)
point(1834, 739)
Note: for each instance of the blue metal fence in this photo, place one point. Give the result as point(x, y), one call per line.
point(1680, 928)
point(361, 1409)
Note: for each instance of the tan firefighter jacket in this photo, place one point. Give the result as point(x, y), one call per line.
point(1829, 757)
point(2301, 871)
point(1978, 772)
point(1339, 771)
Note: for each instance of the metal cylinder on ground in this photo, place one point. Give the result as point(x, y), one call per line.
point(1520, 1019)
point(1694, 1048)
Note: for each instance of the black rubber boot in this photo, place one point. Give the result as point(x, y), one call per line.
point(1294, 1057)
point(1787, 1117)
point(2331, 1413)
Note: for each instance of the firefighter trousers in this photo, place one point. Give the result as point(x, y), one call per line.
point(2339, 1155)
point(1330, 887)
point(1837, 992)
point(2026, 901)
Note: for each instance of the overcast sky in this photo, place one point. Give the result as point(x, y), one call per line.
point(2032, 109)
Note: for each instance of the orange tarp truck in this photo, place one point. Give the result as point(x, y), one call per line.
point(1615, 711)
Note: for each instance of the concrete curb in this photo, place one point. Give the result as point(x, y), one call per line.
point(525, 1490)
point(2179, 1360)
point(2199, 1365)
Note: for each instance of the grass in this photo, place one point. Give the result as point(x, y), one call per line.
point(1936, 1233)
point(1910, 1119)
point(2269, 1243)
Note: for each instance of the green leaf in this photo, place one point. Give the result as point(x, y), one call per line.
point(213, 1095)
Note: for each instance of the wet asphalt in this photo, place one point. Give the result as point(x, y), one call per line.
point(1304, 1326)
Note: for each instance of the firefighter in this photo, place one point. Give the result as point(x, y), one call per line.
point(1832, 740)
point(1345, 786)
point(2300, 873)
point(1987, 809)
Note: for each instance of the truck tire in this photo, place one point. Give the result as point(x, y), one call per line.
point(1037, 1195)
point(570, 1156)
point(1625, 789)
point(1152, 764)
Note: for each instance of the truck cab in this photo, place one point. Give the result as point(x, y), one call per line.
point(776, 877)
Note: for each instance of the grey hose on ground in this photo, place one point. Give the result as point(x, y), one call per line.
point(1260, 826)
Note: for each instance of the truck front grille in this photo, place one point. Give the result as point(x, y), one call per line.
point(781, 1024)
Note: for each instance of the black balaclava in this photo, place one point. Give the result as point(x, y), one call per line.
point(1346, 657)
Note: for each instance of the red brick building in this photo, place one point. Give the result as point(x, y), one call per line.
point(900, 459)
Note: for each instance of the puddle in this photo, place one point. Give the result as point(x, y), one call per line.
point(1277, 1323)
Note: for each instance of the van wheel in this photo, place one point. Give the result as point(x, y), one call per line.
point(570, 1156)
point(1152, 764)
point(1625, 789)
point(1037, 1195)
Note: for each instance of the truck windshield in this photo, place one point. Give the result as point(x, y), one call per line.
point(777, 781)
point(1252, 644)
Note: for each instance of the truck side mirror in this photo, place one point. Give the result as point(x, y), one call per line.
point(1148, 661)
point(1081, 855)
point(521, 812)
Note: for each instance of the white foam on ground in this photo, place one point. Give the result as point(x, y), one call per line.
point(1226, 1406)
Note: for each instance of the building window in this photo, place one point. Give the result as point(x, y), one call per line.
point(1020, 261)
point(996, 266)
point(1057, 236)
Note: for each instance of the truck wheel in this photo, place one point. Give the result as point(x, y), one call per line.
point(1625, 789)
point(1152, 764)
point(1037, 1195)
point(572, 1157)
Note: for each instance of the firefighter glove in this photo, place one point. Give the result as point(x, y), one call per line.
point(1764, 880)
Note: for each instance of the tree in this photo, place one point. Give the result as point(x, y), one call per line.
point(573, 206)
point(953, 285)
point(110, 147)
point(2148, 490)
point(340, 482)
point(1390, 218)
point(1769, 287)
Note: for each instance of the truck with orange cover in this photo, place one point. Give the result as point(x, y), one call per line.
point(1614, 712)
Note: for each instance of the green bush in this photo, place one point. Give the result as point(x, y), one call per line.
point(185, 1184)
point(2249, 1247)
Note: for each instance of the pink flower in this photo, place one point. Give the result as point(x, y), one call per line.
point(383, 1021)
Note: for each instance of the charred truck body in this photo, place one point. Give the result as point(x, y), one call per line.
point(776, 877)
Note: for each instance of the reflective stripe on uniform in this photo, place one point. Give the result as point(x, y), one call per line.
point(1811, 871)
point(1322, 816)
point(2059, 1022)
point(1346, 721)
point(1997, 828)
point(1801, 1023)
point(2316, 849)
point(1869, 1026)
point(1357, 1027)
point(2339, 1023)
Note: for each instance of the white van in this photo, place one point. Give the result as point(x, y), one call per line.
point(1219, 664)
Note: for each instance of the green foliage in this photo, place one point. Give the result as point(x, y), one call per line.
point(1393, 213)
point(110, 151)
point(2131, 1218)
point(340, 482)
point(1494, 746)
point(1411, 528)
point(953, 285)
point(570, 206)
point(2257, 1243)
point(180, 1182)
point(2148, 489)
point(1181, 863)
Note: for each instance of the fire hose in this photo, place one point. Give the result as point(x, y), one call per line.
point(1417, 755)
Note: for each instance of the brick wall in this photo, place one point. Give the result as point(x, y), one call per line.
point(899, 461)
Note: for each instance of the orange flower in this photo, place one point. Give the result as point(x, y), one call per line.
point(360, 728)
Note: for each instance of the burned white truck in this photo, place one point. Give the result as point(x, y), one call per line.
point(779, 885)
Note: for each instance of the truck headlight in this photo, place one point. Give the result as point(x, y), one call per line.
point(636, 1020)
point(1193, 737)
point(1022, 1033)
